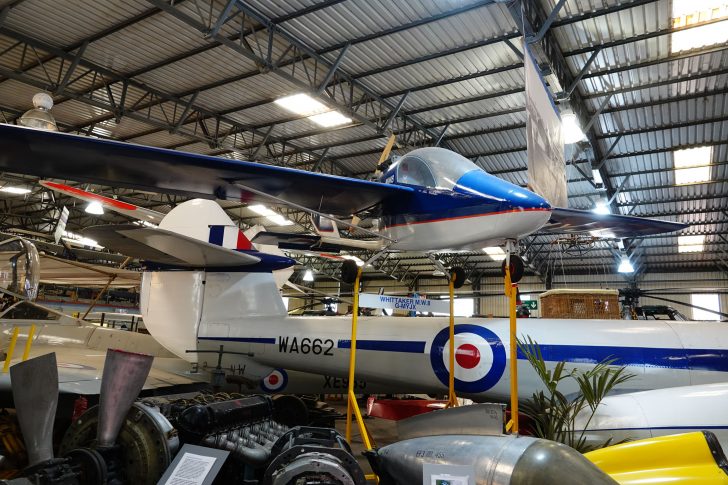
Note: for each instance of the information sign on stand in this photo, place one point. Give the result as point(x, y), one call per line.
point(194, 465)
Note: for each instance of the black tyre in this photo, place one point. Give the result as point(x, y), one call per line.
point(459, 274)
point(516, 268)
point(349, 270)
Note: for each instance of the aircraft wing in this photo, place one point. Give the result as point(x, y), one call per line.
point(60, 155)
point(606, 225)
point(119, 206)
point(58, 271)
point(166, 247)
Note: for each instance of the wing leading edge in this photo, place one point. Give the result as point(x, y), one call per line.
point(107, 162)
point(607, 225)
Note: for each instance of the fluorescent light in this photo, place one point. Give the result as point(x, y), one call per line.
point(15, 190)
point(691, 244)
point(272, 216)
point(79, 239)
point(571, 129)
point(351, 257)
point(95, 208)
point(279, 220)
point(301, 104)
point(625, 266)
point(308, 275)
point(601, 208)
point(692, 165)
point(689, 12)
point(495, 253)
point(597, 176)
point(329, 119)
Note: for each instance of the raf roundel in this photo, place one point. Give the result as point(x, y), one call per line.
point(276, 381)
point(480, 358)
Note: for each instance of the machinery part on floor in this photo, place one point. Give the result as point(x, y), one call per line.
point(292, 410)
point(313, 456)
point(200, 420)
point(36, 389)
point(147, 441)
point(686, 458)
point(516, 460)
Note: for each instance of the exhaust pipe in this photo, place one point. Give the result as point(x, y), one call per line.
point(35, 392)
point(122, 381)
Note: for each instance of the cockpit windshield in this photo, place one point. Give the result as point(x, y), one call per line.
point(431, 167)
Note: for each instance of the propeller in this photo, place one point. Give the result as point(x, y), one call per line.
point(35, 392)
point(122, 381)
point(381, 164)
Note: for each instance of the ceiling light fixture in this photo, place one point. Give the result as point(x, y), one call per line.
point(15, 190)
point(570, 127)
point(271, 215)
point(495, 253)
point(692, 165)
point(301, 104)
point(691, 244)
point(308, 275)
point(602, 208)
point(330, 119)
point(689, 12)
point(95, 208)
point(625, 266)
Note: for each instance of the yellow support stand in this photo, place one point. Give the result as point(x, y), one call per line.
point(511, 293)
point(452, 399)
point(11, 349)
point(351, 404)
point(28, 343)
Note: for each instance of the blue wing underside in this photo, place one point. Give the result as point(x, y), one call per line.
point(606, 225)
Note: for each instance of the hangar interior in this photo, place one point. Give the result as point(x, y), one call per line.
point(647, 84)
point(321, 86)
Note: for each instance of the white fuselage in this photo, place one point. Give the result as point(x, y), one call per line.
point(196, 310)
point(465, 232)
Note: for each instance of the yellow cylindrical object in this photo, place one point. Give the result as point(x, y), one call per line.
point(11, 349)
point(684, 458)
point(351, 403)
point(514, 358)
point(28, 343)
point(452, 400)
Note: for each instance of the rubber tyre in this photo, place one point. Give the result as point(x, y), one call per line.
point(516, 268)
point(459, 274)
point(349, 270)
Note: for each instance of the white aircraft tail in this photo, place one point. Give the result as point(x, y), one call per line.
point(181, 306)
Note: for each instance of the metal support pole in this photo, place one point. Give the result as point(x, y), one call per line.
point(332, 70)
point(394, 112)
point(452, 399)
point(11, 350)
point(28, 343)
point(547, 24)
point(351, 404)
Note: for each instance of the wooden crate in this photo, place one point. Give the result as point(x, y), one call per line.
point(602, 304)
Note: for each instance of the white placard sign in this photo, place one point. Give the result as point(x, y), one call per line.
point(192, 469)
point(370, 300)
point(544, 140)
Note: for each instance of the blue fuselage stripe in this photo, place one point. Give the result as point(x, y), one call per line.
point(252, 340)
point(667, 358)
point(412, 347)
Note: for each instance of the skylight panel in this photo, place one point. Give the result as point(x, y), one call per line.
point(691, 244)
point(495, 253)
point(688, 12)
point(692, 165)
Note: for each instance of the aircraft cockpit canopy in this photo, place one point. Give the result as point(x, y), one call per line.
point(429, 167)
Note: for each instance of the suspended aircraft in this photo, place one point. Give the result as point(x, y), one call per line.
point(431, 199)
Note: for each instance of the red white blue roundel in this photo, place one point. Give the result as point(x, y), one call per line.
point(480, 357)
point(276, 381)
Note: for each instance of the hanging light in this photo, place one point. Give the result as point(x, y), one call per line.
point(625, 266)
point(570, 127)
point(40, 116)
point(308, 275)
point(95, 208)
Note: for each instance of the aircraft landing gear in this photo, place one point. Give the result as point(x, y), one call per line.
point(515, 263)
point(349, 271)
point(459, 274)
